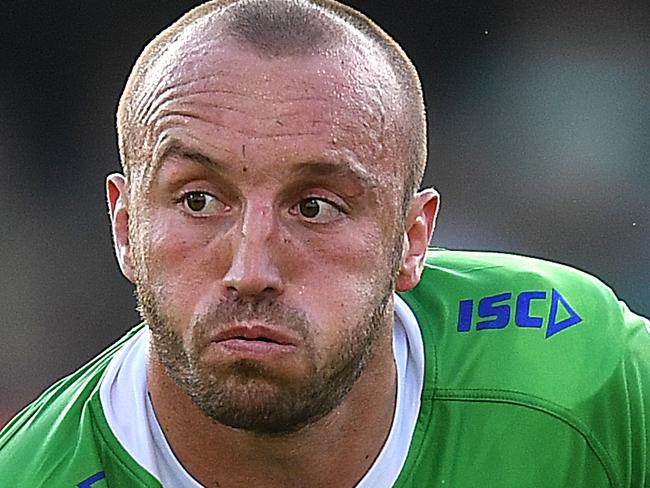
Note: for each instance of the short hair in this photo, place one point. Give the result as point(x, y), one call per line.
point(282, 28)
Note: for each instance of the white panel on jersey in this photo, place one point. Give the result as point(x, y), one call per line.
point(409, 360)
point(124, 397)
point(125, 400)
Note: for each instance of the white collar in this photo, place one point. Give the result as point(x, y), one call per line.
point(124, 397)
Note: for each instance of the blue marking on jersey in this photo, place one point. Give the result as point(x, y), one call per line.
point(498, 310)
point(465, 310)
point(522, 315)
point(88, 483)
point(555, 327)
point(492, 307)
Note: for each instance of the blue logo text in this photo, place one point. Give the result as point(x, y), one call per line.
point(496, 312)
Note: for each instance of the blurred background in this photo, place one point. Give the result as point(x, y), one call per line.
point(539, 118)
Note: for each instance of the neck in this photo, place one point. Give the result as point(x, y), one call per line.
point(337, 450)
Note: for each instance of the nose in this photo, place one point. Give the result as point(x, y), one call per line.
point(253, 270)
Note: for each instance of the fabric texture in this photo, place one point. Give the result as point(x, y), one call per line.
point(535, 375)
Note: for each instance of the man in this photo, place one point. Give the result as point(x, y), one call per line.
point(267, 214)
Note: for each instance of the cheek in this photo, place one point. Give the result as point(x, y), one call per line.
point(349, 254)
point(341, 275)
point(183, 261)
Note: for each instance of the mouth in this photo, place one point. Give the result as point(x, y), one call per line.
point(254, 340)
point(255, 333)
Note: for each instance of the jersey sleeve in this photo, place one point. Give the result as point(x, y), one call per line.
point(509, 335)
point(62, 439)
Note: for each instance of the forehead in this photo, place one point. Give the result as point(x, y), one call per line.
point(345, 77)
point(218, 93)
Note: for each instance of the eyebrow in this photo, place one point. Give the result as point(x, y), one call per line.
point(343, 169)
point(175, 148)
point(315, 168)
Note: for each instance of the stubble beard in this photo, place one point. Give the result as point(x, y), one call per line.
point(246, 395)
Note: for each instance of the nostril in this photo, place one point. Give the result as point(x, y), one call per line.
point(242, 289)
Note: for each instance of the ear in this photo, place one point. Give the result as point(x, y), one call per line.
point(420, 222)
point(117, 195)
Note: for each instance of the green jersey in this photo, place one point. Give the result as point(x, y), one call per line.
point(534, 375)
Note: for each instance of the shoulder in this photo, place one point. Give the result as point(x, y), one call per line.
point(524, 314)
point(542, 337)
point(483, 292)
point(55, 438)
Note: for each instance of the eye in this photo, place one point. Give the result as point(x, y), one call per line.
point(201, 203)
point(317, 210)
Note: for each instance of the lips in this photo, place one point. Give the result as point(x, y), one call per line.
point(257, 333)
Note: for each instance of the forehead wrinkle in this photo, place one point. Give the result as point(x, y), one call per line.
point(178, 117)
point(169, 81)
point(187, 99)
point(166, 64)
point(165, 90)
point(171, 93)
point(161, 95)
point(367, 96)
point(181, 98)
point(184, 106)
point(277, 95)
point(187, 103)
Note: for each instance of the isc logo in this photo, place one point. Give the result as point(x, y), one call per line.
point(496, 312)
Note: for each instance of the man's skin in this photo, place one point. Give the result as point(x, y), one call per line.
point(297, 175)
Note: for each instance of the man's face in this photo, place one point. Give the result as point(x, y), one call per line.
point(264, 238)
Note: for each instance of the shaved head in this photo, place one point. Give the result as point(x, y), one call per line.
point(275, 29)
